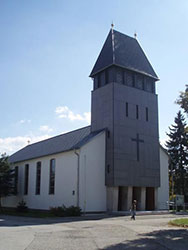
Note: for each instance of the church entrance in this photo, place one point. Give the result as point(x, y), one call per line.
point(150, 198)
point(137, 197)
point(122, 199)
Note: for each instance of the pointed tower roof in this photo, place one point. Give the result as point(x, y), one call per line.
point(124, 51)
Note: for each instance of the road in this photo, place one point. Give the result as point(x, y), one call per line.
point(147, 232)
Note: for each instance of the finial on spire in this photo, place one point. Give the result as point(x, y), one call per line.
point(135, 35)
point(112, 25)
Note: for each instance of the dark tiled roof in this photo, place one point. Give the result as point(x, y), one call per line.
point(123, 51)
point(65, 142)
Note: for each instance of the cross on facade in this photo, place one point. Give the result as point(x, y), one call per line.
point(137, 140)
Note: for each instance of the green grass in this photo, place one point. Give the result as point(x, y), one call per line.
point(179, 222)
point(34, 214)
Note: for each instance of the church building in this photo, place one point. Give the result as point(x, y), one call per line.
point(115, 160)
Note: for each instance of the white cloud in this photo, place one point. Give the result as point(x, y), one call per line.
point(24, 121)
point(45, 128)
point(65, 112)
point(10, 145)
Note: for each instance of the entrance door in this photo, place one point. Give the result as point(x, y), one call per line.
point(122, 199)
point(150, 198)
point(137, 197)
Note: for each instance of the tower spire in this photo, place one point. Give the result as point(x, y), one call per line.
point(135, 35)
point(112, 25)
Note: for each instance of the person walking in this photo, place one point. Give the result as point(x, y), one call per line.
point(133, 210)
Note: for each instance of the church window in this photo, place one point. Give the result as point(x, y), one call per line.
point(124, 77)
point(119, 75)
point(130, 79)
point(148, 85)
point(38, 177)
point(108, 168)
point(127, 109)
point(26, 182)
point(147, 117)
point(110, 75)
point(108, 134)
point(103, 78)
point(137, 112)
point(52, 177)
point(99, 80)
point(139, 82)
point(16, 180)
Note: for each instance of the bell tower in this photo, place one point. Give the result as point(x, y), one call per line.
point(124, 101)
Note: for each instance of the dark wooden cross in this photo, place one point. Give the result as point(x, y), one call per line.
point(137, 140)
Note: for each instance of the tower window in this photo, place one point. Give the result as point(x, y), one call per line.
point(137, 112)
point(119, 75)
point(139, 82)
point(38, 177)
point(130, 79)
point(147, 118)
point(26, 182)
point(108, 134)
point(108, 168)
point(52, 177)
point(127, 109)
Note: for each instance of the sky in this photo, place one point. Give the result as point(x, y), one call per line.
point(48, 49)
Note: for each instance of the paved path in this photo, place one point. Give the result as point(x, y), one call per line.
point(148, 232)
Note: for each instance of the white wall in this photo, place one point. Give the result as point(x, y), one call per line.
point(92, 175)
point(163, 190)
point(65, 182)
point(92, 179)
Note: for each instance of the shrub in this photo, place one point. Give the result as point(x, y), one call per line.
point(64, 211)
point(22, 207)
point(58, 211)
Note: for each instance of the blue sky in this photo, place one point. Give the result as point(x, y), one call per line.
point(48, 48)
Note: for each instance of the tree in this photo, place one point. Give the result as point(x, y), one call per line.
point(183, 99)
point(177, 147)
point(6, 178)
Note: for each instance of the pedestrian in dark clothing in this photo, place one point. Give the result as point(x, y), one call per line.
point(133, 210)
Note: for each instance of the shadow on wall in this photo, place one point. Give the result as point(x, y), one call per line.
point(160, 240)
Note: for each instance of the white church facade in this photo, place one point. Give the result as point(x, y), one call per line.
point(103, 167)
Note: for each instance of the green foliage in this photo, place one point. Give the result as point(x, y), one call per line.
point(177, 147)
point(6, 178)
point(22, 208)
point(64, 211)
point(183, 100)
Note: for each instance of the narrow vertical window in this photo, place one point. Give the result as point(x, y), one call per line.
point(108, 134)
point(147, 118)
point(52, 177)
point(26, 182)
point(137, 112)
point(38, 177)
point(16, 180)
point(127, 109)
point(108, 168)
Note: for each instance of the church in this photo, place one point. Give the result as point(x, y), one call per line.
point(115, 160)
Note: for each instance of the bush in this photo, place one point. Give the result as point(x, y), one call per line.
point(22, 207)
point(66, 211)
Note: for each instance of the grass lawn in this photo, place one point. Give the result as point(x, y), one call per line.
point(36, 214)
point(179, 222)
